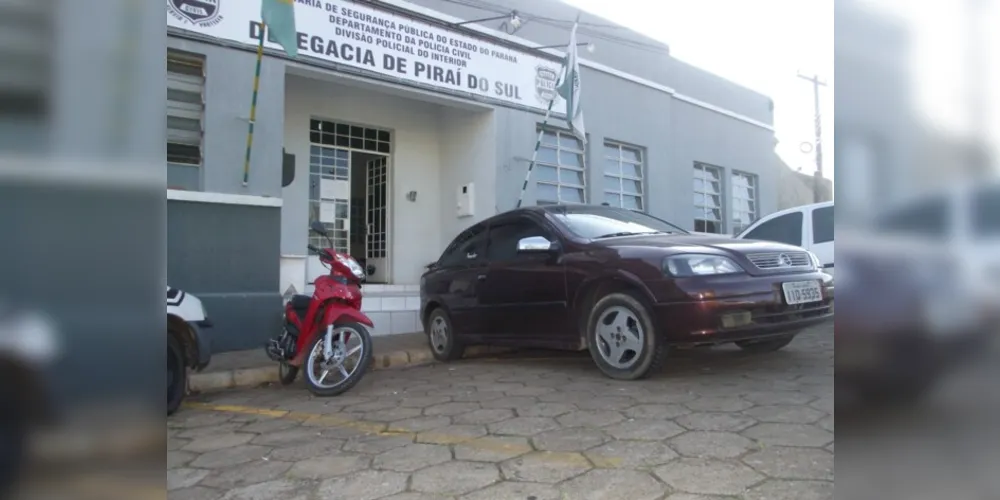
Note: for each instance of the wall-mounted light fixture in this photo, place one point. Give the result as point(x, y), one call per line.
point(590, 47)
point(512, 20)
point(411, 196)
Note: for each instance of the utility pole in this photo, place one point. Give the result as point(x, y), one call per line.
point(818, 175)
point(978, 161)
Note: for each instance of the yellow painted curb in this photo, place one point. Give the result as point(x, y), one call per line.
point(253, 377)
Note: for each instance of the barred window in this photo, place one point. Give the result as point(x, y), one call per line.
point(707, 198)
point(560, 175)
point(623, 173)
point(329, 196)
point(185, 107)
point(744, 200)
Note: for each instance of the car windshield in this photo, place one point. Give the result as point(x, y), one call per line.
point(606, 222)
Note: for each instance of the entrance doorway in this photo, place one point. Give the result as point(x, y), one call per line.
point(349, 193)
point(370, 214)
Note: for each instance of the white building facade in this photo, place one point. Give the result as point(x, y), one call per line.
point(397, 127)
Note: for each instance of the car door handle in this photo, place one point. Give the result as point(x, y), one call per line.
point(481, 277)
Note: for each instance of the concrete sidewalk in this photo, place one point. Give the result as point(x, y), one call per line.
point(252, 367)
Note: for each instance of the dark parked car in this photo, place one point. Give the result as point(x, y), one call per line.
point(623, 284)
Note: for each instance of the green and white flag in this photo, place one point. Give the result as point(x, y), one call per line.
point(569, 88)
point(279, 17)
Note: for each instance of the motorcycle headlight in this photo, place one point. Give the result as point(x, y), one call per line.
point(699, 265)
point(353, 265)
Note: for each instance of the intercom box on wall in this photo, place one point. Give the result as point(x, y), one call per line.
point(466, 200)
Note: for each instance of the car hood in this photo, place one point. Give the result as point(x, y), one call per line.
point(687, 243)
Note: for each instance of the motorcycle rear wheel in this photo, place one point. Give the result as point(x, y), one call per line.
point(13, 436)
point(176, 374)
point(287, 373)
point(361, 349)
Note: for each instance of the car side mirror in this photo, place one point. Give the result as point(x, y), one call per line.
point(318, 228)
point(536, 244)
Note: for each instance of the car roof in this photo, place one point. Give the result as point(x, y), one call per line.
point(541, 209)
point(799, 208)
point(774, 215)
point(513, 211)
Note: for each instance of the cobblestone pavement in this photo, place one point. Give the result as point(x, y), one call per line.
point(715, 424)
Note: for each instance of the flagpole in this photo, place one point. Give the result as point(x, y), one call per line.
point(541, 129)
point(534, 155)
point(253, 105)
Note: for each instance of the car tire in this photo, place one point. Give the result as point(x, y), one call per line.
point(766, 346)
point(441, 337)
point(654, 349)
point(176, 374)
point(894, 388)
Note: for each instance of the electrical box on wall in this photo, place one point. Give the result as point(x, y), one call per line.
point(466, 200)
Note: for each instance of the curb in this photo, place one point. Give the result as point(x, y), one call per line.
point(254, 377)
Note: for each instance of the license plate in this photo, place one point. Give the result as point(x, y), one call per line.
point(802, 292)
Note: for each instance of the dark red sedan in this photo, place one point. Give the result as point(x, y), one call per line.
point(623, 284)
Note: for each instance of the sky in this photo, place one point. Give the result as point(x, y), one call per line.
point(760, 44)
point(939, 34)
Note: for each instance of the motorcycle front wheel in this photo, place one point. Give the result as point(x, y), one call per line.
point(352, 358)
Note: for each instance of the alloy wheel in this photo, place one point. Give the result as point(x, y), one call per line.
point(347, 356)
point(439, 334)
point(620, 337)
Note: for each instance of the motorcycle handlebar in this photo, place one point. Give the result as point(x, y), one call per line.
point(313, 248)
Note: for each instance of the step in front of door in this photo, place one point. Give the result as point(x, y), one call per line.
point(373, 302)
point(395, 322)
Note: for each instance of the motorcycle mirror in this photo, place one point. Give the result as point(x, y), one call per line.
point(318, 228)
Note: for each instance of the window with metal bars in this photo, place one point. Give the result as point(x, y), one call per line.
point(329, 165)
point(185, 107)
point(744, 200)
point(707, 198)
point(329, 133)
point(27, 56)
point(623, 174)
point(560, 172)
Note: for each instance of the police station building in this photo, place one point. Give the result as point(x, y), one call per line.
point(399, 124)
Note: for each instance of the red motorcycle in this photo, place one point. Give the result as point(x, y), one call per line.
point(326, 333)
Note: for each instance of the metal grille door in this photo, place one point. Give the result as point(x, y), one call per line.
point(329, 201)
point(376, 238)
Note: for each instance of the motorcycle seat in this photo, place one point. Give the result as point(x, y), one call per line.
point(300, 303)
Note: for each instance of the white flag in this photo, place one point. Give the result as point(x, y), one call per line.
point(569, 88)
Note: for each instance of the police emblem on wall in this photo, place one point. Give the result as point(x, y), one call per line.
point(203, 13)
point(545, 84)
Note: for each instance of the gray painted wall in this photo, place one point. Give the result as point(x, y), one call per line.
point(228, 91)
point(227, 255)
point(618, 119)
point(674, 134)
point(548, 22)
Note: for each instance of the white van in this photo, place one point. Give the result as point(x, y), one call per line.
point(808, 226)
point(964, 216)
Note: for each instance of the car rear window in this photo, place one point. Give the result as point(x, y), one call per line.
point(926, 218)
point(782, 229)
point(986, 213)
point(822, 219)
